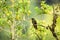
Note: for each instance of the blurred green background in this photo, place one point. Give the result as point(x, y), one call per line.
point(16, 23)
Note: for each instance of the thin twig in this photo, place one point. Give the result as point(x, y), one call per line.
point(38, 36)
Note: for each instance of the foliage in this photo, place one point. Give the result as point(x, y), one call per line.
point(15, 20)
point(45, 9)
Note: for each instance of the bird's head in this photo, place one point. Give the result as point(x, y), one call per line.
point(32, 18)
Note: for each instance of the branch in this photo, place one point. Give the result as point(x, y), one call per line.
point(44, 26)
point(55, 16)
point(38, 36)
